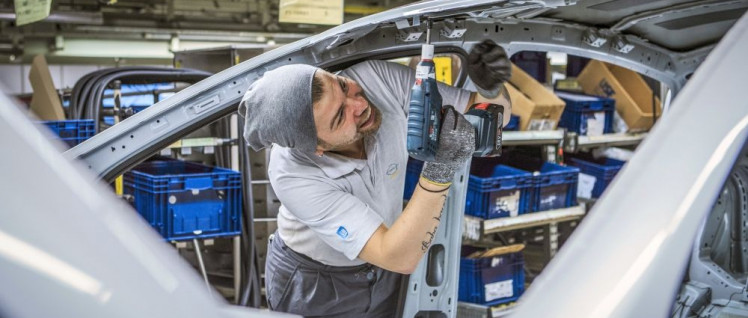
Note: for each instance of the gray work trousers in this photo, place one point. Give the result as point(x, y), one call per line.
point(300, 285)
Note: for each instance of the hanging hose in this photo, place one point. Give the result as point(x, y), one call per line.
point(88, 92)
point(96, 96)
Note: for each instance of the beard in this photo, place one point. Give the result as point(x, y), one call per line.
point(374, 127)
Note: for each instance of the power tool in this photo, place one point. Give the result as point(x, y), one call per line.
point(425, 114)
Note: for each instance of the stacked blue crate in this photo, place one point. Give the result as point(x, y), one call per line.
point(72, 132)
point(602, 169)
point(505, 192)
point(587, 115)
point(184, 200)
point(555, 187)
point(493, 280)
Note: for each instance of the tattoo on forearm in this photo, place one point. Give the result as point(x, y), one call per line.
point(427, 243)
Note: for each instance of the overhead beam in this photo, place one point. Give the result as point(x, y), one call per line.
point(95, 18)
point(653, 14)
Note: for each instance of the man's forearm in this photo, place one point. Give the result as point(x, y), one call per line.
point(415, 229)
point(412, 234)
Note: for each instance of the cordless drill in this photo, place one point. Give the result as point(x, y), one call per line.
point(425, 114)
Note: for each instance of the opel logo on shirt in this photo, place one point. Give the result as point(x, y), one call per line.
point(392, 170)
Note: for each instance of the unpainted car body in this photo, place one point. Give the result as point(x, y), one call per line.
point(629, 256)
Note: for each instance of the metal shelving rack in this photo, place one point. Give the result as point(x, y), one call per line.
point(480, 232)
point(574, 143)
point(477, 228)
point(468, 310)
point(550, 141)
point(528, 138)
point(265, 205)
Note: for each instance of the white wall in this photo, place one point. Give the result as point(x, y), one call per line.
point(15, 77)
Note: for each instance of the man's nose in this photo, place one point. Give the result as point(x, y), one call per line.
point(359, 105)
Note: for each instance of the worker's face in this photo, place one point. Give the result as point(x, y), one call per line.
point(343, 115)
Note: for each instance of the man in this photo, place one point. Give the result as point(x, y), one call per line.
point(343, 239)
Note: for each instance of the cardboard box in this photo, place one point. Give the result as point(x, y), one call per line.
point(537, 106)
point(45, 103)
point(633, 96)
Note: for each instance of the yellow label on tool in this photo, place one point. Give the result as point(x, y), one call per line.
point(443, 69)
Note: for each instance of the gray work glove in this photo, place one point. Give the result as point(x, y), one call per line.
point(489, 67)
point(456, 145)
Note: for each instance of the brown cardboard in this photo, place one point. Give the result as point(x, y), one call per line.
point(45, 103)
point(633, 96)
point(496, 251)
point(537, 106)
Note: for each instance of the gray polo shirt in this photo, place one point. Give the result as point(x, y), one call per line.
point(331, 205)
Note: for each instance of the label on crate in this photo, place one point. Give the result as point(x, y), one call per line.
point(499, 290)
point(503, 203)
point(471, 228)
point(596, 124)
point(585, 185)
point(541, 124)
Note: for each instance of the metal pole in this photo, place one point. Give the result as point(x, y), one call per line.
point(428, 31)
point(202, 265)
point(237, 268)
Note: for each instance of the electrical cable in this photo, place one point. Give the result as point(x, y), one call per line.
point(81, 92)
point(88, 91)
point(96, 96)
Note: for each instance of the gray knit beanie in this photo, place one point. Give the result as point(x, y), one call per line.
point(277, 109)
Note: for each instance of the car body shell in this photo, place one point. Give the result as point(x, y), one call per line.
point(626, 259)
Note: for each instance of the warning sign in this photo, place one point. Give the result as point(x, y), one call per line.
point(327, 12)
point(28, 11)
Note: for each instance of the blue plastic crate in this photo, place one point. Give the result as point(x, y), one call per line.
point(513, 124)
point(412, 173)
point(505, 192)
point(603, 169)
point(492, 280)
point(555, 187)
point(72, 132)
point(184, 200)
point(582, 111)
point(533, 62)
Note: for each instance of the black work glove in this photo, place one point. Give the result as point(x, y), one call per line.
point(488, 68)
point(456, 145)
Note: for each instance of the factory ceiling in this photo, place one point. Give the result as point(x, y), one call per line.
point(229, 21)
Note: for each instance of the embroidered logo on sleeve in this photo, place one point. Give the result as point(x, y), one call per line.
point(342, 232)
